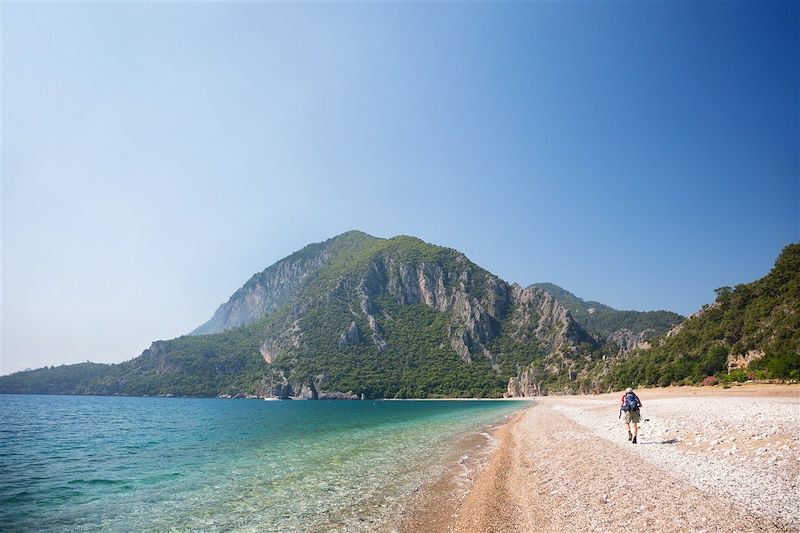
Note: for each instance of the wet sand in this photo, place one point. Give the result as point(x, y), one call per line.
point(710, 459)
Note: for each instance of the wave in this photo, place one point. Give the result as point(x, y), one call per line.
point(97, 481)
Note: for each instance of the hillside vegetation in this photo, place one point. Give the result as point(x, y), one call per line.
point(761, 319)
point(603, 320)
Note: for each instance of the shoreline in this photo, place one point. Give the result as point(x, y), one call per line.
point(434, 505)
point(696, 390)
point(709, 459)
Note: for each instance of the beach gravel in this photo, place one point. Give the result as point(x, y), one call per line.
point(707, 460)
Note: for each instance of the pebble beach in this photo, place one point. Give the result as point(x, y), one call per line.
point(708, 459)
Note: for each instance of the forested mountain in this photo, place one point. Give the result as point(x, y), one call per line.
point(354, 315)
point(603, 320)
point(360, 316)
point(751, 330)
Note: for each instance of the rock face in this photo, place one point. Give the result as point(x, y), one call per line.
point(350, 336)
point(602, 320)
point(538, 319)
point(742, 360)
point(267, 291)
point(527, 384)
point(474, 319)
point(554, 325)
point(627, 341)
point(377, 338)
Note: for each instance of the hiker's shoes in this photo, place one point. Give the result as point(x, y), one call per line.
point(634, 440)
point(630, 435)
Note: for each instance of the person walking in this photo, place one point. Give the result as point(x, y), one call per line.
point(630, 406)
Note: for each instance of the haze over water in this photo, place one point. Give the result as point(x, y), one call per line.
point(70, 463)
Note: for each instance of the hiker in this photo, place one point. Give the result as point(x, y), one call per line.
point(631, 405)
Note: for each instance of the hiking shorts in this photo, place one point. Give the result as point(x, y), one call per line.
point(632, 417)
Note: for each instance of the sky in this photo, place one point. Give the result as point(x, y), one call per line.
point(156, 155)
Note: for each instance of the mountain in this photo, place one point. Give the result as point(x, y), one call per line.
point(354, 315)
point(750, 331)
point(360, 316)
point(400, 317)
point(627, 329)
point(603, 320)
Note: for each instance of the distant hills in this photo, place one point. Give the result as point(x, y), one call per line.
point(359, 316)
point(603, 320)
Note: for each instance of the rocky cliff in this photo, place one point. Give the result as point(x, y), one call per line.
point(604, 321)
point(270, 289)
point(626, 340)
point(370, 308)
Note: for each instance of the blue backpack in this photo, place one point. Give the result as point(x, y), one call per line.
point(631, 402)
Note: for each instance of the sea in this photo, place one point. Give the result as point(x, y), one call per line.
point(84, 463)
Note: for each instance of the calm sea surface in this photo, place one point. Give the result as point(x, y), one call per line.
point(71, 463)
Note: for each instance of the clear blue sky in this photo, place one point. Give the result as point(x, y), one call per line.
point(155, 155)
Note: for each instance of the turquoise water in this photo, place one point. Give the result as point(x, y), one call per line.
point(70, 463)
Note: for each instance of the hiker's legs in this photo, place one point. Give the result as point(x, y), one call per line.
point(632, 417)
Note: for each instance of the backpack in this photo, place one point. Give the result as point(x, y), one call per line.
point(630, 402)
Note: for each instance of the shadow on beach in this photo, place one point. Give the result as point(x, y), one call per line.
point(670, 441)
